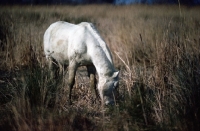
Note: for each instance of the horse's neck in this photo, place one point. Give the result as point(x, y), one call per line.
point(102, 58)
point(103, 66)
point(100, 41)
point(106, 50)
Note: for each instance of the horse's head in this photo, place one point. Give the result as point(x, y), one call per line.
point(107, 88)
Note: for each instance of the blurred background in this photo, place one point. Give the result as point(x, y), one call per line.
point(117, 2)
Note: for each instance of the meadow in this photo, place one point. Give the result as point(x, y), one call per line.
point(156, 49)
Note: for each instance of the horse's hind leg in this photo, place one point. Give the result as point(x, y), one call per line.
point(91, 74)
point(54, 68)
point(71, 79)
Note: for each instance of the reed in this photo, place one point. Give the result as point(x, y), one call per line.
point(156, 49)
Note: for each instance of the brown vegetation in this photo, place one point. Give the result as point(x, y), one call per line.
point(156, 49)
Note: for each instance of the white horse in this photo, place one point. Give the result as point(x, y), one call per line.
point(81, 45)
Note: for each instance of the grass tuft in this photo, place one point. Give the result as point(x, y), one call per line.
point(156, 49)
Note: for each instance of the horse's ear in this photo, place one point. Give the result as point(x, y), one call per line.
point(115, 74)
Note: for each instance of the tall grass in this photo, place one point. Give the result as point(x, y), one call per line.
point(155, 48)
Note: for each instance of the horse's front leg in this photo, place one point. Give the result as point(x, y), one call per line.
point(71, 79)
point(91, 74)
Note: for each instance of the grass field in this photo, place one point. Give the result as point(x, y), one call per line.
point(156, 49)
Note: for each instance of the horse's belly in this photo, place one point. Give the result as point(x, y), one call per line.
point(83, 60)
point(60, 58)
point(85, 63)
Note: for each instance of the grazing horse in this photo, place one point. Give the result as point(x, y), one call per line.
point(81, 45)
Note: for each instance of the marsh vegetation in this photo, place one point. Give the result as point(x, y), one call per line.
point(156, 49)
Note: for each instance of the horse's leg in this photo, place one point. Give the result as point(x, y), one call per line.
point(91, 74)
point(71, 79)
point(54, 67)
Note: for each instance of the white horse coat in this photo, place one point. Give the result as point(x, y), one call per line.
point(81, 45)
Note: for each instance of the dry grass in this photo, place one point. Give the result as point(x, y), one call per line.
point(155, 48)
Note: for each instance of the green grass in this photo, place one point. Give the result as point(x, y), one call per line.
point(155, 48)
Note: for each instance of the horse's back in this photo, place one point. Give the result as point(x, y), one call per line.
point(58, 31)
point(65, 41)
point(56, 40)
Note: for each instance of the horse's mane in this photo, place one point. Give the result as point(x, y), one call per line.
point(94, 31)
